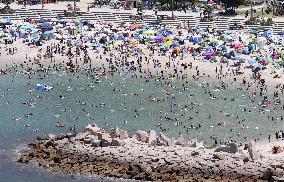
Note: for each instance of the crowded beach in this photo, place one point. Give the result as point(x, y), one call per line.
point(192, 82)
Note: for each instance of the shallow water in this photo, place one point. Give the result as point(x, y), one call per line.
point(99, 103)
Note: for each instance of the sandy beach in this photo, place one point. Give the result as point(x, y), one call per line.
point(194, 104)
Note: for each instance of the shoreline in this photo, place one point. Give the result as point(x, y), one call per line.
point(150, 156)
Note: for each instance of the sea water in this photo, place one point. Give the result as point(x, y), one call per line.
point(119, 100)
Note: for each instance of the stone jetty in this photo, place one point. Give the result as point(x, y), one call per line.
point(149, 156)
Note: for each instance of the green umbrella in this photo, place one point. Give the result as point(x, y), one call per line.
point(150, 32)
point(269, 59)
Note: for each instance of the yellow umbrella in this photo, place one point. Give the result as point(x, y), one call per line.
point(168, 43)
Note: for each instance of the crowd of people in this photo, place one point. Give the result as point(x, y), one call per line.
point(237, 59)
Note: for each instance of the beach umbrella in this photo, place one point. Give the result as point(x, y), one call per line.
point(252, 47)
point(135, 26)
point(159, 38)
point(46, 26)
point(272, 45)
point(215, 41)
point(26, 26)
point(150, 32)
point(103, 40)
point(137, 37)
point(164, 49)
point(209, 54)
point(238, 45)
point(177, 49)
point(274, 56)
point(252, 36)
point(42, 20)
point(167, 32)
point(6, 21)
point(266, 33)
point(134, 43)
point(252, 62)
point(168, 43)
point(224, 47)
point(196, 40)
point(254, 31)
point(95, 44)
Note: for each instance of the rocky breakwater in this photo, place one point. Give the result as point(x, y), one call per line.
point(148, 156)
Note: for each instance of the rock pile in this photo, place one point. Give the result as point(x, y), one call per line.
point(147, 156)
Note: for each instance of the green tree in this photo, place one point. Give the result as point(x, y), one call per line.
point(232, 4)
point(208, 11)
point(7, 2)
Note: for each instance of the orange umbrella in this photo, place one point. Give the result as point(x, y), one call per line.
point(177, 50)
point(168, 39)
point(135, 26)
point(134, 43)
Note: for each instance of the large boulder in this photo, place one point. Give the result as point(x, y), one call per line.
point(152, 137)
point(254, 155)
point(267, 174)
point(163, 140)
point(92, 129)
point(49, 143)
point(218, 156)
point(117, 142)
point(229, 148)
point(103, 135)
point(233, 147)
point(115, 132)
point(80, 136)
point(105, 142)
point(23, 159)
point(180, 141)
point(95, 143)
point(51, 136)
point(123, 135)
point(141, 136)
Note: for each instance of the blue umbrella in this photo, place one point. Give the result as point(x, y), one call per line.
point(120, 37)
point(26, 26)
point(159, 38)
point(266, 33)
point(96, 44)
point(137, 37)
point(252, 47)
point(167, 32)
point(164, 49)
point(6, 21)
point(253, 31)
point(196, 40)
point(42, 20)
point(46, 26)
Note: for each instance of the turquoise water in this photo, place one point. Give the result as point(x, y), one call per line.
point(86, 101)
